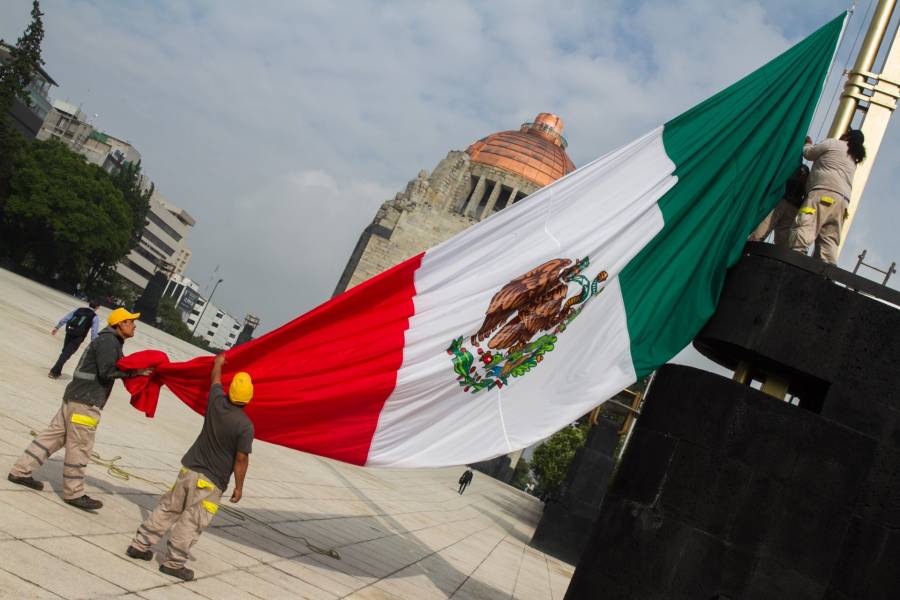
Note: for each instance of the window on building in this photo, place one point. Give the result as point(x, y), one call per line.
point(153, 239)
point(210, 333)
point(146, 254)
point(164, 226)
point(214, 325)
point(137, 268)
point(236, 326)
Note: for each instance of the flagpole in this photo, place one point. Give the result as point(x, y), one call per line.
point(879, 92)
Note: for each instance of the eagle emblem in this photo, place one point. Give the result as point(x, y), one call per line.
point(522, 323)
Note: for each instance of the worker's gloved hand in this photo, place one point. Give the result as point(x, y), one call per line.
point(144, 372)
point(236, 495)
point(54, 330)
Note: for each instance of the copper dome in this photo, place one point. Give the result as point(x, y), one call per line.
point(536, 152)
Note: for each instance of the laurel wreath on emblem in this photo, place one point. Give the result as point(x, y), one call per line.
point(534, 304)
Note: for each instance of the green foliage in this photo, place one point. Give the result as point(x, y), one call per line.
point(15, 77)
point(62, 214)
point(522, 474)
point(25, 57)
point(552, 458)
point(127, 180)
point(110, 287)
point(168, 319)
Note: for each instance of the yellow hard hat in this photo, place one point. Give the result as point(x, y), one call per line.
point(119, 315)
point(241, 389)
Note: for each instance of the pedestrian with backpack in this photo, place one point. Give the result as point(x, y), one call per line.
point(77, 323)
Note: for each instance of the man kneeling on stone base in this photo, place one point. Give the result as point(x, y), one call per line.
point(222, 447)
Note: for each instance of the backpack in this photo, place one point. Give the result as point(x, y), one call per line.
point(80, 323)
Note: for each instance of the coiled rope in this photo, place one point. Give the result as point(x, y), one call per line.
point(119, 472)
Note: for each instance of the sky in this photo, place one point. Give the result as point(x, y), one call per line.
point(282, 126)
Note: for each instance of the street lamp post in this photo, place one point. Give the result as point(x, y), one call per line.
point(208, 302)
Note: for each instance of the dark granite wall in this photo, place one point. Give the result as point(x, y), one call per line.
point(725, 492)
point(567, 521)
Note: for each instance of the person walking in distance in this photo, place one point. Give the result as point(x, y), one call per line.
point(222, 448)
point(77, 323)
point(821, 216)
point(464, 480)
point(75, 424)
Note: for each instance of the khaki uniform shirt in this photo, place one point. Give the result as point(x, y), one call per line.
point(832, 167)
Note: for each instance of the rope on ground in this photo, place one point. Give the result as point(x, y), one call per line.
point(124, 474)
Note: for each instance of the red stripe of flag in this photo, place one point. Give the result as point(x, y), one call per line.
point(321, 380)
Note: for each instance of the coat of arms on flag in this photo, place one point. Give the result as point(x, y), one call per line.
point(533, 304)
point(364, 378)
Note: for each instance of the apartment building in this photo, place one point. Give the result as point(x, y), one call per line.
point(162, 241)
point(213, 324)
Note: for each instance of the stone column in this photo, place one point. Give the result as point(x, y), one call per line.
point(475, 197)
point(492, 201)
point(512, 197)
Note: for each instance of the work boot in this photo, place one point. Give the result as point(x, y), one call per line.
point(182, 573)
point(141, 554)
point(85, 503)
point(53, 375)
point(26, 481)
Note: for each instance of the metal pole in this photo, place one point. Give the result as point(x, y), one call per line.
point(864, 62)
point(208, 302)
point(859, 261)
point(891, 270)
point(879, 100)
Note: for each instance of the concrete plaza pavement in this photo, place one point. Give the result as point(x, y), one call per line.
point(399, 533)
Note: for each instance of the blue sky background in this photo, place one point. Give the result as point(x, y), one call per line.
point(282, 126)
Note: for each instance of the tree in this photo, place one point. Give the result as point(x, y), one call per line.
point(552, 458)
point(16, 75)
point(63, 216)
point(127, 180)
point(168, 319)
point(521, 475)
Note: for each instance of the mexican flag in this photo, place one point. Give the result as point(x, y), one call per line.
point(524, 322)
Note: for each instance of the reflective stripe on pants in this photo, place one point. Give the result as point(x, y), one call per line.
point(819, 222)
point(184, 511)
point(75, 427)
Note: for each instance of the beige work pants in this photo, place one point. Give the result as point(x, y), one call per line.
point(74, 426)
point(184, 511)
point(780, 220)
point(819, 221)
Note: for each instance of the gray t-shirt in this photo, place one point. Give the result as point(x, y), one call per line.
point(832, 168)
point(226, 431)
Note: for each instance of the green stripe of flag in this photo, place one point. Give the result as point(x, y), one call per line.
point(733, 153)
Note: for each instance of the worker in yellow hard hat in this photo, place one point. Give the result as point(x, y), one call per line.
point(75, 424)
point(222, 448)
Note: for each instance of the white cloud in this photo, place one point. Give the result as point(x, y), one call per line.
point(283, 126)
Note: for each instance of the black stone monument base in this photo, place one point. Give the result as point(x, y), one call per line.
point(725, 492)
point(148, 302)
point(567, 522)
